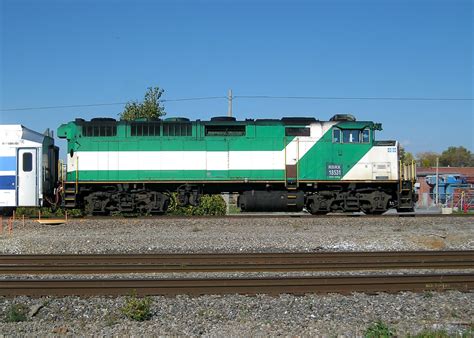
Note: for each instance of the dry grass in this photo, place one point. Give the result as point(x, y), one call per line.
point(431, 242)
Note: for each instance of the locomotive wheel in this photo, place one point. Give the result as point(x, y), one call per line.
point(406, 210)
point(314, 211)
point(144, 209)
point(319, 213)
point(96, 203)
point(375, 212)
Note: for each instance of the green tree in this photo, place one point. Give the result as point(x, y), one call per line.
point(409, 158)
point(427, 159)
point(150, 108)
point(456, 157)
point(405, 157)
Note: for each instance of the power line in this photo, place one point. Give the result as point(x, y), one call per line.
point(196, 98)
point(353, 98)
point(66, 106)
point(250, 97)
point(110, 104)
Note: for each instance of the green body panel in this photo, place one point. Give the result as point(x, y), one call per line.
point(313, 165)
point(268, 136)
point(178, 175)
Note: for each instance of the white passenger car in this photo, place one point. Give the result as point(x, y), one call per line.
point(28, 167)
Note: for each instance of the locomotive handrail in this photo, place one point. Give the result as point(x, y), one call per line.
point(407, 171)
point(77, 174)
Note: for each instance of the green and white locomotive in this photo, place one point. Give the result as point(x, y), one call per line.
point(273, 164)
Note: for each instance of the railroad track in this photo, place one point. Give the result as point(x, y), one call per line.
point(273, 286)
point(243, 262)
point(282, 215)
point(262, 215)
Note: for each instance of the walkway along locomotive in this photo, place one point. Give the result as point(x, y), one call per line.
point(273, 164)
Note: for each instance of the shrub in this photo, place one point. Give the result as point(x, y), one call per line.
point(47, 213)
point(379, 330)
point(211, 205)
point(74, 213)
point(138, 309)
point(26, 211)
point(431, 334)
point(234, 209)
point(32, 212)
point(16, 313)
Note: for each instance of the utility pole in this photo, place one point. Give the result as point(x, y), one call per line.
point(229, 98)
point(437, 181)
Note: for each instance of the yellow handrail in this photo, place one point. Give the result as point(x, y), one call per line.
point(400, 172)
point(297, 159)
point(77, 173)
point(407, 171)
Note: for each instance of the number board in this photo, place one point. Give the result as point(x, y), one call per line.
point(334, 170)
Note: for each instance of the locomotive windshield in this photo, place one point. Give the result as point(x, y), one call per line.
point(351, 135)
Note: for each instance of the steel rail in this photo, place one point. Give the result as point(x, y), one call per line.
point(227, 262)
point(273, 286)
point(263, 215)
point(276, 216)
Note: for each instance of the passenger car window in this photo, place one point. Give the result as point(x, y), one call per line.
point(27, 162)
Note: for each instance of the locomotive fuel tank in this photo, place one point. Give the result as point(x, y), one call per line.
point(258, 200)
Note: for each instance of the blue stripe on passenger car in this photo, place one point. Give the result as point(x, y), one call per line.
point(7, 163)
point(7, 182)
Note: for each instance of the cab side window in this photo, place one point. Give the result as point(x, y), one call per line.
point(366, 136)
point(336, 136)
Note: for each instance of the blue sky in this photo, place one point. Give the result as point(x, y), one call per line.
point(84, 52)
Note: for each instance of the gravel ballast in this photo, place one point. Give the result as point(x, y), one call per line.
point(161, 235)
point(326, 315)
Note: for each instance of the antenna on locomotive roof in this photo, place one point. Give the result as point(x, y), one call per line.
point(229, 99)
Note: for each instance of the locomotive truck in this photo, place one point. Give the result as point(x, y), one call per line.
point(282, 164)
